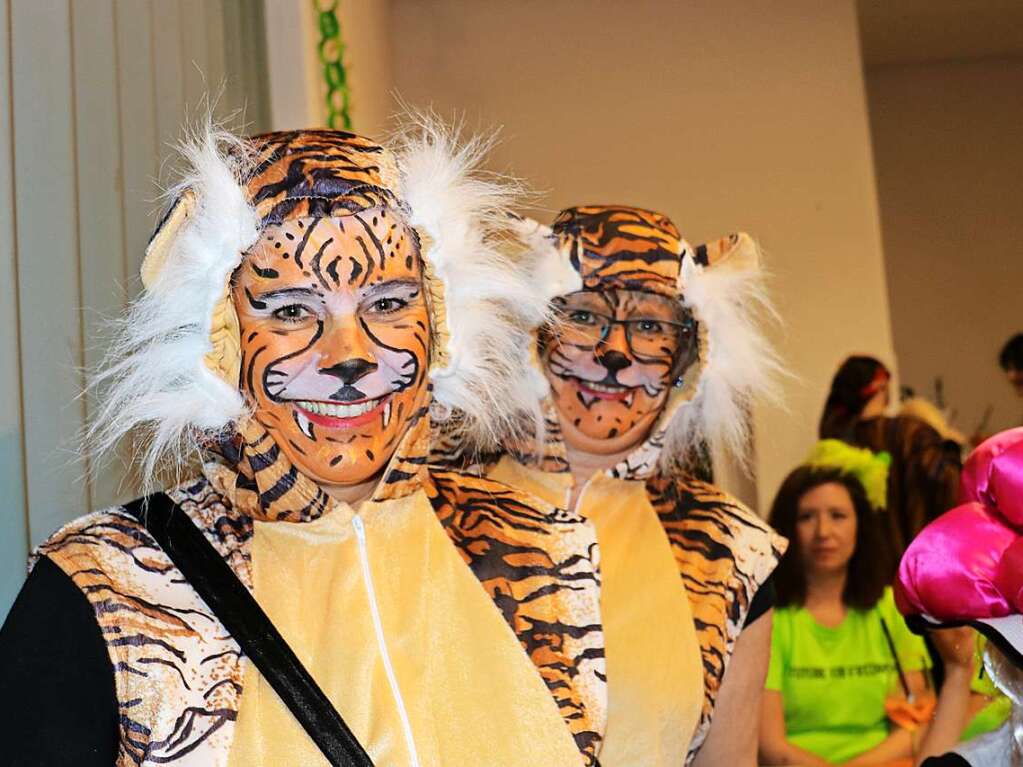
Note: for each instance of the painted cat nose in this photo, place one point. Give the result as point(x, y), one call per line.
point(350, 371)
point(614, 360)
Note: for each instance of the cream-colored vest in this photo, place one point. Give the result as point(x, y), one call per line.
point(654, 667)
point(374, 605)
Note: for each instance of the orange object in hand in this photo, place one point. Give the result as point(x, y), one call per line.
point(910, 714)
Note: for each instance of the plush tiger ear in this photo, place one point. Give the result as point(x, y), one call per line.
point(224, 356)
point(160, 244)
point(734, 252)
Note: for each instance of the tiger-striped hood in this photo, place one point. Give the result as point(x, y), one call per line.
point(174, 372)
point(721, 283)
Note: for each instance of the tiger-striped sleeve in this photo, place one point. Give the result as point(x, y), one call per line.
point(539, 565)
point(724, 553)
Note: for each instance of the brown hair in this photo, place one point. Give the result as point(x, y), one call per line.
point(867, 576)
point(854, 384)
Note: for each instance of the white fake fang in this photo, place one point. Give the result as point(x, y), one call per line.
point(304, 424)
point(387, 413)
point(609, 389)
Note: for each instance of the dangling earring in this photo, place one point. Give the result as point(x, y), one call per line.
point(679, 381)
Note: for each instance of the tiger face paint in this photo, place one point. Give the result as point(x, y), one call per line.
point(334, 340)
point(612, 363)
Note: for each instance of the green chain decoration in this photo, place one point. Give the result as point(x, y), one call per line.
point(332, 52)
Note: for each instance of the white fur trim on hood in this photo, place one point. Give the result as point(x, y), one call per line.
point(729, 300)
point(155, 375)
point(492, 303)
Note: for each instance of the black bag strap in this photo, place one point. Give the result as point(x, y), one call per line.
point(235, 607)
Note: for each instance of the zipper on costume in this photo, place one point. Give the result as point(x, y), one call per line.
point(378, 627)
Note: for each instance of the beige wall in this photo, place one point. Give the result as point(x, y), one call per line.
point(949, 152)
point(366, 27)
point(728, 115)
point(297, 90)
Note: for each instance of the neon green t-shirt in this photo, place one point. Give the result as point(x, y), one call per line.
point(994, 714)
point(834, 682)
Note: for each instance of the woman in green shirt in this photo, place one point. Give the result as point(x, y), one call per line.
point(840, 649)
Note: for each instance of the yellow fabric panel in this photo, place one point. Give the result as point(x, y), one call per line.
point(654, 667)
point(472, 694)
point(547, 486)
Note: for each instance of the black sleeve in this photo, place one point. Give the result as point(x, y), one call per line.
point(945, 760)
point(763, 601)
point(58, 704)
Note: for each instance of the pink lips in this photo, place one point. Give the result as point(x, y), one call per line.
point(332, 422)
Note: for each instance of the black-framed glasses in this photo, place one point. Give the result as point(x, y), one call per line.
point(646, 336)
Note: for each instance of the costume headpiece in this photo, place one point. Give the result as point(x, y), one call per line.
point(966, 567)
point(866, 467)
point(175, 366)
point(720, 283)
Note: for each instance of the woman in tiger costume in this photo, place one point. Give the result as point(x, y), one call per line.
point(309, 299)
point(657, 355)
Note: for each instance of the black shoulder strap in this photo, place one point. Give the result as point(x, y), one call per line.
point(237, 609)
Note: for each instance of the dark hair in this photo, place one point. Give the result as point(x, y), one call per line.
point(867, 576)
point(1011, 355)
point(850, 392)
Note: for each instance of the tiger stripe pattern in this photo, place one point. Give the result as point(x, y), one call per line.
point(450, 450)
point(299, 359)
point(620, 247)
point(178, 673)
point(318, 174)
point(724, 554)
point(539, 565)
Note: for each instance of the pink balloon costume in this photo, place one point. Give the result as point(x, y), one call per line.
point(966, 567)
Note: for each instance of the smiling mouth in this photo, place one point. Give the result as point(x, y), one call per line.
point(338, 415)
point(613, 392)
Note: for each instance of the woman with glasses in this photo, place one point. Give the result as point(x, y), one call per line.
point(655, 352)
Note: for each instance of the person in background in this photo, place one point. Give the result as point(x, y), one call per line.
point(1011, 360)
point(839, 639)
point(964, 568)
point(923, 478)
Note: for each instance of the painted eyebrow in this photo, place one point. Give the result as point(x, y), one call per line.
point(593, 302)
point(288, 293)
point(383, 287)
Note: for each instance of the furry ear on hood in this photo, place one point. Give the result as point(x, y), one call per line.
point(729, 299)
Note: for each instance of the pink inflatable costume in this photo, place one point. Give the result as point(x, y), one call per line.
point(966, 568)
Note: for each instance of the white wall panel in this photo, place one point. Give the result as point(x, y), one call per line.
point(101, 224)
point(14, 519)
point(95, 92)
point(169, 72)
point(48, 267)
point(140, 149)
